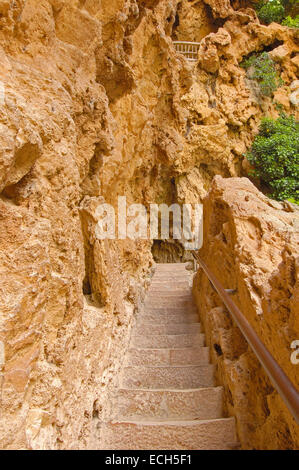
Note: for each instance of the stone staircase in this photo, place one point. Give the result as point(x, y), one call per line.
point(167, 397)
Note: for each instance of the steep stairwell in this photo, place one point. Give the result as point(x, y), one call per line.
point(167, 397)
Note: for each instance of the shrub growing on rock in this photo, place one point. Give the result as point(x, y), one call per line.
point(275, 156)
point(264, 71)
point(270, 11)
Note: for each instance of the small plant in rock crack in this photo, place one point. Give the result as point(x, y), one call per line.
point(275, 157)
point(261, 67)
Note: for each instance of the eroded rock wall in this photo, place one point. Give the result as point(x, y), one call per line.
point(96, 104)
point(67, 299)
point(251, 244)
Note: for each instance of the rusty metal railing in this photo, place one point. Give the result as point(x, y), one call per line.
point(279, 379)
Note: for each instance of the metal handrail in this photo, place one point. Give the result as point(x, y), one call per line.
point(279, 379)
point(187, 42)
point(188, 49)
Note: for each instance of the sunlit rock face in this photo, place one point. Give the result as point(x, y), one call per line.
point(95, 104)
point(251, 245)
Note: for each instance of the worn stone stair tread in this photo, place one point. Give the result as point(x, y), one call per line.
point(168, 356)
point(173, 390)
point(161, 292)
point(173, 366)
point(174, 304)
point(173, 289)
point(170, 265)
point(156, 298)
point(215, 434)
point(169, 310)
point(148, 329)
point(175, 281)
point(168, 307)
point(168, 341)
point(170, 404)
point(167, 292)
point(180, 282)
point(166, 319)
point(169, 296)
point(171, 276)
point(161, 377)
point(171, 422)
point(176, 336)
point(164, 420)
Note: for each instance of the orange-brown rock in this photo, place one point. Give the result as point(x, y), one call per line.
point(220, 8)
point(96, 103)
point(251, 244)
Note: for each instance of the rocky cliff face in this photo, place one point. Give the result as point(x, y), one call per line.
point(97, 104)
point(251, 244)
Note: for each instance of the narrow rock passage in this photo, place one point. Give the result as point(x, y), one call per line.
point(167, 397)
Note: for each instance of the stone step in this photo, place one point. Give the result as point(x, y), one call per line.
point(143, 328)
point(178, 377)
point(167, 357)
point(170, 267)
point(171, 298)
point(167, 318)
point(170, 283)
point(176, 310)
point(169, 292)
point(168, 303)
point(161, 297)
point(167, 341)
point(172, 272)
point(171, 277)
point(203, 403)
point(216, 434)
point(168, 286)
point(171, 287)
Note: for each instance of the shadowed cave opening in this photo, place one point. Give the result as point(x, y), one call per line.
point(170, 251)
point(268, 48)
point(273, 45)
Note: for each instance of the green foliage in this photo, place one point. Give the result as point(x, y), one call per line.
point(275, 156)
point(291, 199)
point(264, 71)
point(270, 11)
point(291, 22)
point(278, 107)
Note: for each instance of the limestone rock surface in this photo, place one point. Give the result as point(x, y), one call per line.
point(95, 103)
point(251, 245)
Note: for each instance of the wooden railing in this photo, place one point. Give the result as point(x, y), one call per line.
point(188, 49)
point(279, 379)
